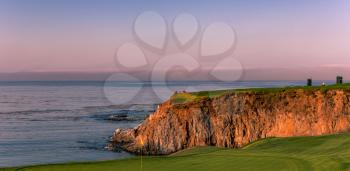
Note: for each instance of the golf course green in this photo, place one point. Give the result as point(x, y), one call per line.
point(331, 152)
point(193, 96)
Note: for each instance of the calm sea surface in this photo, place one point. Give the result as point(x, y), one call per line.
point(65, 121)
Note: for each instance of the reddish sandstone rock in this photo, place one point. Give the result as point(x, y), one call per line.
point(237, 119)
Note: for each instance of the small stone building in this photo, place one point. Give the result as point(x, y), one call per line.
point(309, 82)
point(339, 80)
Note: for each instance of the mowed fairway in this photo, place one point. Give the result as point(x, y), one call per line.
point(297, 153)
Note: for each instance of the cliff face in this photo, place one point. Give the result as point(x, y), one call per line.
point(237, 119)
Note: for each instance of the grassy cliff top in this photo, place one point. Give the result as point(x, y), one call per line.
point(192, 96)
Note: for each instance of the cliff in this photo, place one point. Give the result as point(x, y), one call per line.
point(237, 118)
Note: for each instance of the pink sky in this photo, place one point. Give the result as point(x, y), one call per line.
point(275, 35)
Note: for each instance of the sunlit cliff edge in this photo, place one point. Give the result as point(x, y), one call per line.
point(236, 118)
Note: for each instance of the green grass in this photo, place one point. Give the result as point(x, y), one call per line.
point(298, 153)
point(193, 96)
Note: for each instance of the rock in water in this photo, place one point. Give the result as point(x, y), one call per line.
point(236, 119)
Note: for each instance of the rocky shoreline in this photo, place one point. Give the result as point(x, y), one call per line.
point(236, 119)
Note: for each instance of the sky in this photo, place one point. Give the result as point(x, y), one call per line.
point(83, 35)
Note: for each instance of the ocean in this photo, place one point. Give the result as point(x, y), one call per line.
point(44, 122)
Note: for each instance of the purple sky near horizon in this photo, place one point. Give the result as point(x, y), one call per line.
point(38, 35)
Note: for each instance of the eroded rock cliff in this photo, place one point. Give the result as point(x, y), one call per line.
point(236, 119)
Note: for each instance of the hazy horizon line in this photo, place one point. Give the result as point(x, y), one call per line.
point(266, 74)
